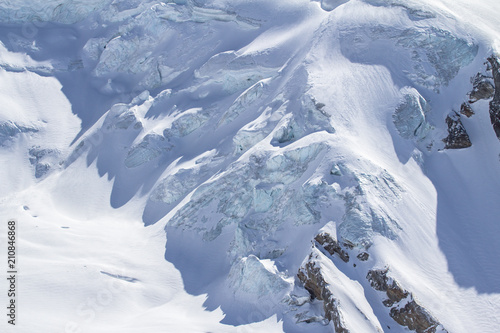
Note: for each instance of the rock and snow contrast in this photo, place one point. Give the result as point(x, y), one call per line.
point(251, 166)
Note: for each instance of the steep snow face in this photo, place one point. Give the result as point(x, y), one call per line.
point(36, 123)
point(239, 130)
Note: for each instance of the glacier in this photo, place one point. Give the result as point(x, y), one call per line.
point(409, 117)
point(198, 148)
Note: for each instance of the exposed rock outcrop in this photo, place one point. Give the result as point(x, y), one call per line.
point(466, 110)
point(315, 283)
point(43, 160)
point(495, 102)
point(363, 256)
point(405, 310)
point(482, 88)
point(321, 279)
point(330, 244)
point(457, 135)
point(380, 281)
point(415, 317)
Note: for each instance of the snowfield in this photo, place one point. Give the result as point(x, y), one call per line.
point(171, 165)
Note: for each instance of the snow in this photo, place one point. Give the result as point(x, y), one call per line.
point(47, 11)
point(244, 101)
point(409, 117)
point(355, 312)
point(35, 119)
point(251, 276)
point(169, 163)
point(152, 146)
point(92, 291)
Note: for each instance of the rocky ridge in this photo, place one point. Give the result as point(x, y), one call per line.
point(495, 102)
point(405, 310)
point(457, 135)
point(316, 284)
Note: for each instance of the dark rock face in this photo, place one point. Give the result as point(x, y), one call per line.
point(379, 281)
point(363, 256)
point(312, 277)
point(457, 135)
point(495, 103)
point(415, 317)
point(330, 244)
point(406, 311)
point(482, 89)
point(466, 110)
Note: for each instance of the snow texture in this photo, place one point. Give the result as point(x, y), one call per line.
point(181, 156)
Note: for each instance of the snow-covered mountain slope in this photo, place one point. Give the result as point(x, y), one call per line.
point(296, 166)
